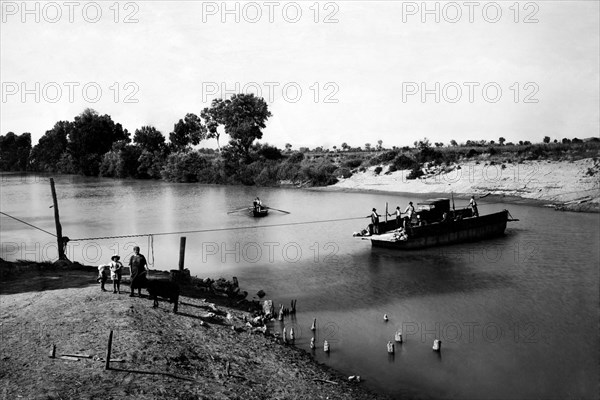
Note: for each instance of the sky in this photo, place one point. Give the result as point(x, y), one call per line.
point(330, 71)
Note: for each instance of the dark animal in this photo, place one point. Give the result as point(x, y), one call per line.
point(166, 289)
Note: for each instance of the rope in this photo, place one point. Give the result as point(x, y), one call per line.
point(215, 229)
point(27, 223)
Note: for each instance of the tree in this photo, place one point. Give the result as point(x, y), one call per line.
point(91, 136)
point(14, 151)
point(288, 147)
point(546, 139)
point(213, 117)
point(501, 140)
point(244, 117)
point(439, 144)
point(453, 143)
point(422, 144)
point(187, 132)
point(149, 138)
point(344, 146)
point(379, 144)
point(367, 146)
point(47, 154)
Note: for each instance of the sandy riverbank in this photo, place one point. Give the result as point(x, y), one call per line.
point(565, 185)
point(163, 355)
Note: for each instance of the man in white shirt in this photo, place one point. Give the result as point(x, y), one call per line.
point(473, 205)
point(398, 215)
point(409, 213)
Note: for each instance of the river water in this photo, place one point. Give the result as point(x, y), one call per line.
point(517, 315)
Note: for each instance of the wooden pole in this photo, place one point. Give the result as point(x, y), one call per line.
point(107, 365)
point(181, 252)
point(386, 211)
point(59, 237)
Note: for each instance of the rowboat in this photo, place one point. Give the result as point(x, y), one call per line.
point(259, 212)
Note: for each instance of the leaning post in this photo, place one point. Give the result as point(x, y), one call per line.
point(108, 351)
point(181, 252)
point(59, 236)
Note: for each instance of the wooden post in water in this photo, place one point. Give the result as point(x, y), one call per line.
point(59, 236)
point(107, 364)
point(181, 252)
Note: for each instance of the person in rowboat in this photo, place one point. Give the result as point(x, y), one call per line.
point(257, 204)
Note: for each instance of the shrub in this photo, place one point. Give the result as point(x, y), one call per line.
point(319, 173)
point(296, 158)
point(343, 172)
point(383, 158)
point(183, 167)
point(352, 163)
point(472, 153)
point(404, 162)
point(415, 173)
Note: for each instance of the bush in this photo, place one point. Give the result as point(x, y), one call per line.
point(352, 163)
point(183, 167)
point(267, 176)
point(472, 153)
point(343, 172)
point(319, 173)
point(384, 157)
point(415, 173)
point(404, 162)
point(378, 170)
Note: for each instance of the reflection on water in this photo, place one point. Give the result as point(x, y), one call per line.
point(517, 315)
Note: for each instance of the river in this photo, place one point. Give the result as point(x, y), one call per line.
point(517, 315)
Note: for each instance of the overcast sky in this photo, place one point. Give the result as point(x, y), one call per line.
point(331, 72)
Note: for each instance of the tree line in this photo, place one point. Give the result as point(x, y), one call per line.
point(95, 145)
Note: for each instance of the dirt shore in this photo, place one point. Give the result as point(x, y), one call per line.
point(565, 185)
point(156, 354)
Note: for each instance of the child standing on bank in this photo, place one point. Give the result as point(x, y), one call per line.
point(116, 270)
point(102, 275)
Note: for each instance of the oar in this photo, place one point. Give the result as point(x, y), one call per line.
point(283, 211)
point(238, 210)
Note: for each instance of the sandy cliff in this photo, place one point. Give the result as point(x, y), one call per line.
point(563, 184)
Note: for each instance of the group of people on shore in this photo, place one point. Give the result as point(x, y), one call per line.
point(138, 267)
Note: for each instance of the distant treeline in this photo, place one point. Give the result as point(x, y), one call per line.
point(94, 145)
